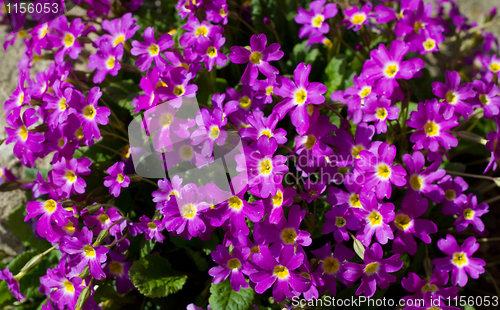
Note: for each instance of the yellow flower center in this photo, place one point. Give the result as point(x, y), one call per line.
point(402, 221)
point(266, 132)
point(484, 100)
point(450, 97)
point(62, 104)
point(233, 263)
point(89, 112)
point(371, 268)
point(245, 102)
point(358, 19)
point(306, 275)
point(154, 49)
point(340, 221)
point(431, 129)
point(415, 182)
point(89, 250)
point(50, 205)
point(310, 142)
point(187, 152)
point(365, 92)
point(235, 203)
point(468, 213)
point(116, 267)
point(44, 33)
point(384, 171)
point(214, 132)
point(391, 70)
point(450, 194)
point(120, 178)
point(355, 201)
point(166, 119)
point(161, 84)
point(69, 286)
point(188, 211)
point(23, 132)
point(184, 65)
point(255, 58)
point(429, 44)
point(69, 227)
point(201, 31)
point(61, 142)
point(310, 109)
point(111, 62)
point(375, 218)
point(278, 199)
point(152, 225)
point(355, 151)
point(381, 113)
point(434, 308)
point(429, 288)
point(266, 166)
point(212, 51)
point(119, 39)
point(269, 90)
point(179, 90)
point(281, 271)
point(459, 259)
point(301, 96)
point(328, 43)
point(79, 133)
point(495, 67)
point(222, 12)
point(70, 175)
point(69, 39)
point(330, 265)
point(288, 236)
point(21, 98)
point(318, 21)
point(103, 218)
point(417, 26)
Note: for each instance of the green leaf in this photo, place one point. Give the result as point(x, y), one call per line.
point(153, 276)
point(458, 167)
point(31, 173)
point(5, 294)
point(198, 259)
point(334, 72)
point(222, 297)
point(147, 246)
point(359, 248)
point(22, 230)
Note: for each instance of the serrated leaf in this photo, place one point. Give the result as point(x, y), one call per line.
point(334, 72)
point(147, 246)
point(22, 230)
point(222, 297)
point(153, 276)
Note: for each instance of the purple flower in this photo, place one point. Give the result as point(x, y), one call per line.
point(427, 41)
point(151, 228)
point(65, 36)
point(385, 66)
point(429, 302)
point(264, 89)
point(209, 131)
point(116, 179)
point(454, 95)
point(470, 213)
point(150, 84)
point(106, 61)
point(314, 21)
point(103, 219)
point(19, 97)
point(217, 12)
point(167, 190)
point(348, 148)
point(298, 95)
point(64, 290)
point(178, 87)
point(355, 18)
point(264, 170)
point(407, 225)
point(50, 212)
point(26, 142)
point(379, 111)
point(6, 175)
point(57, 101)
point(245, 100)
point(90, 114)
point(414, 284)
point(338, 220)
point(120, 29)
point(263, 126)
point(421, 181)
point(453, 196)
point(494, 147)
point(274, 204)
point(377, 218)
point(459, 260)
point(12, 284)
point(374, 271)
point(196, 31)
point(83, 253)
point(279, 271)
point(227, 109)
point(67, 174)
point(229, 265)
point(151, 49)
point(312, 143)
point(258, 58)
point(312, 190)
point(209, 50)
point(331, 265)
point(375, 170)
point(487, 97)
point(118, 269)
point(432, 128)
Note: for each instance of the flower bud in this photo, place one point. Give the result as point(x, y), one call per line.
point(85, 273)
point(103, 235)
point(82, 299)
